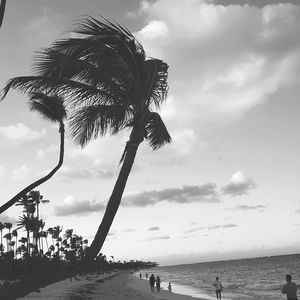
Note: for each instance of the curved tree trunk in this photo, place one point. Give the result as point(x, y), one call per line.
point(2, 10)
point(32, 186)
point(136, 138)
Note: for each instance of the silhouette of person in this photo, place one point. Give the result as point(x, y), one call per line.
point(218, 286)
point(146, 275)
point(170, 287)
point(152, 282)
point(140, 275)
point(158, 284)
point(290, 288)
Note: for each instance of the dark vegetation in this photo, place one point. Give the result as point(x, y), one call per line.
point(44, 256)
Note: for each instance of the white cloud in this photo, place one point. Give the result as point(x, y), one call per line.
point(20, 173)
point(205, 193)
point(2, 171)
point(21, 133)
point(224, 60)
point(155, 29)
point(101, 150)
point(153, 228)
point(160, 237)
point(73, 206)
point(248, 207)
point(84, 173)
point(51, 149)
point(239, 184)
point(43, 29)
point(4, 218)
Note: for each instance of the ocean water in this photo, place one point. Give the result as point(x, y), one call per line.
point(244, 279)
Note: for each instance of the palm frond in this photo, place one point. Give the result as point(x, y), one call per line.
point(87, 48)
point(157, 133)
point(95, 120)
point(50, 106)
point(70, 89)
point(96, 51)
point(116, 37)
point(53, 63)
point(22, 84)
point(154, 83)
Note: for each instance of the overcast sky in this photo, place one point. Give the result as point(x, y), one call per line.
point(228, 186)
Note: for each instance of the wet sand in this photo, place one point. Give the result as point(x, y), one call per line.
point(112, 286)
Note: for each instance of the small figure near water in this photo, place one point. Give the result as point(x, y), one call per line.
point(146, 275)
point(290, 288)
point(152, 282)
point(140, 275)
point(170, 287)
point(218, 286)
point(158, 284)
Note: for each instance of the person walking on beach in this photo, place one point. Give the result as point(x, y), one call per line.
point(218, 286)
point(140, 275)
point(170, 287)
point(158, 284)
point(152, 282)
point(146, 275)
point(290, 288)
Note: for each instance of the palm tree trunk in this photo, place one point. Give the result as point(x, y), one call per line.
point(136, 138)
point(28, 241)
point(2, 10)
point(32, 186)
point(16, 246)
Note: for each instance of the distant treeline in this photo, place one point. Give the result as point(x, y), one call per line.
point(42, 257)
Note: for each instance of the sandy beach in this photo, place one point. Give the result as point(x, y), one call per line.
point(112, 286)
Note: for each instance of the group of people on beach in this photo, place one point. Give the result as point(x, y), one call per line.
point(155, 282)
point(289, 289)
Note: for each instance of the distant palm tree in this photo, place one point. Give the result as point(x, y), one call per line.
point(15, 234)
point(36, 198)
point(8, 239)
point(56, 234)
point(53, 109)
point(50, 231)
point(44, 235)
point(8, 225)
point(105, 75)
point(1, 233)
point(68, 235)
point(31, 224)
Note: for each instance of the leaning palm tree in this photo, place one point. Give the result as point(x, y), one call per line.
point(111, 85)
point(126, 101)
point(2, 10)
point(52, 108)
point(137, 84)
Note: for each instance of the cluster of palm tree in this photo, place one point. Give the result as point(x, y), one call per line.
point(66, 246)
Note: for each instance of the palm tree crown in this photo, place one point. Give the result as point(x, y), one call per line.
point(106, 76)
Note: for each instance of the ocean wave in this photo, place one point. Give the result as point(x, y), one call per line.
point(256, 278)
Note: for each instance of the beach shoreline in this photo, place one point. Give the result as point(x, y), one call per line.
point(108, 286)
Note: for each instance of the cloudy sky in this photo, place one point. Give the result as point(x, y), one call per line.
point(228, 186)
